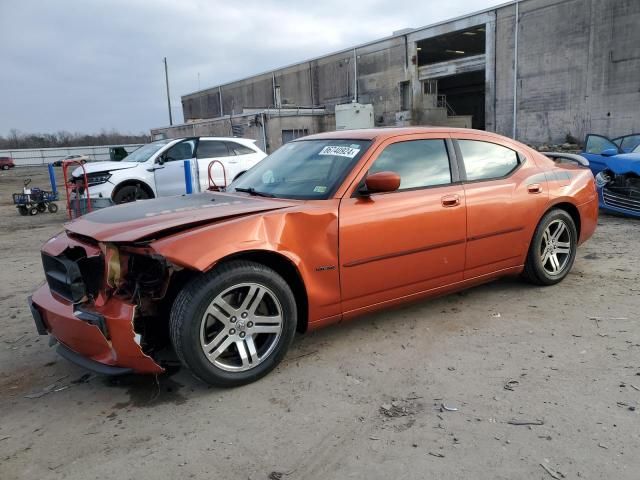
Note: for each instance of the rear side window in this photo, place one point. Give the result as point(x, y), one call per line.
point(485, 161)
point(239, 149)
point(420, 163)
point(212, 148)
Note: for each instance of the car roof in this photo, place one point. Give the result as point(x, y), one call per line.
point(388, 132)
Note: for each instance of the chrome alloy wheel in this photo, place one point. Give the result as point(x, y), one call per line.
point(241, 327)
point(555, 248)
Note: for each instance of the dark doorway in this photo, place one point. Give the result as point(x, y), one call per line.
point(452, 46)
point(464, 94)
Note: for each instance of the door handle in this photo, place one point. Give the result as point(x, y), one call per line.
point(153, 169)
point(450, 200)
point(534, 188)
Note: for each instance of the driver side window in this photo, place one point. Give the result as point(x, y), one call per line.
point(420, 163)
point(180, 151)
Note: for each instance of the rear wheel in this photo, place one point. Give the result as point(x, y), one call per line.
point(553, 249)
point(23, 210)
point(33, 210)
point(5, 167)
point(129, 193)
point(234, 324)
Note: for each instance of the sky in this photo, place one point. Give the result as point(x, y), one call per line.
point(84, 66)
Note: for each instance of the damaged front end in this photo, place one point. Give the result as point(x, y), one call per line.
point(619, 193)
point(106, 304)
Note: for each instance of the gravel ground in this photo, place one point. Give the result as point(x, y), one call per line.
point(373, 398)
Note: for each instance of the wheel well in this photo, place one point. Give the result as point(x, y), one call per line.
point(571, 210)
point(288, 271)
point(134, 183)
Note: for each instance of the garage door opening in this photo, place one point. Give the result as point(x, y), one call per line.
point(452, 69)
point(464, 94)
point(452, 46)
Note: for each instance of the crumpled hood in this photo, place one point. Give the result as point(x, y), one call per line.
point(92, 167)
point(624, 163)
point(148, 219)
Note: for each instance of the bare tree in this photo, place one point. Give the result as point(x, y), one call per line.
point(17, 139)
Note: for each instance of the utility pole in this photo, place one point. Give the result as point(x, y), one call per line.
point(166, 78)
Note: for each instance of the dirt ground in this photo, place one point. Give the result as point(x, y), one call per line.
point(373, 398)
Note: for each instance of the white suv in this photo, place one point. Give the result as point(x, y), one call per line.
point(157, 169)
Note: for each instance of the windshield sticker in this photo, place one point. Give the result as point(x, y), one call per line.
point(320, 189)
point(337, 151)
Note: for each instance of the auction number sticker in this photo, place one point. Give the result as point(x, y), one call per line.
point(338, 151)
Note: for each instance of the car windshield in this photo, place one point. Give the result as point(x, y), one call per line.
point(145, 152)
point(304, 169)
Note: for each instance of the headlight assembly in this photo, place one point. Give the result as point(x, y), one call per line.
point(98, 178)
point(602, 178)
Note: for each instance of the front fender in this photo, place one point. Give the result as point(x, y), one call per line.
point(306, 235)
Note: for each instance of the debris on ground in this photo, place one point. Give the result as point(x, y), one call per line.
point(447, 408)
point(54, 387)
point(511, 384)
point(555, 474)
point(396, 409)
point(525, 422)
point(83, 379)
point(439, 455)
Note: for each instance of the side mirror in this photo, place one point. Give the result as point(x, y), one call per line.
point(382, 182)
point(609, 152)
point(161, 159)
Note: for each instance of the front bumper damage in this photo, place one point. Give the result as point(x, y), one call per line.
point(620, 193)
point(96, 331)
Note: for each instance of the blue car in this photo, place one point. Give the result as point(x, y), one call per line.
point(616, 166)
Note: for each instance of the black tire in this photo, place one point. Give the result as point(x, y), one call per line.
point(535, 271)
point(129, 193)
point(52, 207)
point(33, 211)
point(5, 167)
point(23, 211)
point(188, 314)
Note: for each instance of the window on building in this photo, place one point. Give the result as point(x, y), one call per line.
point(212, 149)
point(420, 163)
point(289, 135)
point(405, 96)
point(484, 160)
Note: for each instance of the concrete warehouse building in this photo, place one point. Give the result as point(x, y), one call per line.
point(535, 70)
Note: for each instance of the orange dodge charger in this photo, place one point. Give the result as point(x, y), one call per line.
point(328, 227)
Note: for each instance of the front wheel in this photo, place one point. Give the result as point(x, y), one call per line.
point(553, 249)
point(129, 193)
point(52, 207)
point(234, 324)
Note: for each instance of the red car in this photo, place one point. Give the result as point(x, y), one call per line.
point(328, 227)
point(6, 163)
